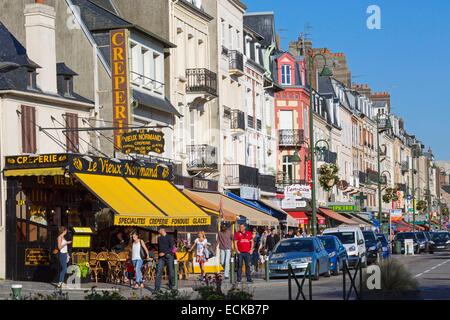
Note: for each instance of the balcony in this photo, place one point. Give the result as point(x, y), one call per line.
point(237, 120)
point(147, 83)
point(405, 167)
point(258, 125)
point(202, 158)
point(201, 81)
point(251, 122)
point(327, 156)
point(239, 175)
point(283, 181)
point(363, 177)
point(267, 183)
point(290, 138)
point(236, 63)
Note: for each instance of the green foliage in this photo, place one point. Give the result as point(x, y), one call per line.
point(328, 176)
point(169, 295)
point(103, 295)
point(390, 195)
point(238, 294)
point(421, 206)
point(56, 295)
point(83, 269)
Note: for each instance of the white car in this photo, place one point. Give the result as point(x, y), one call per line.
point(353, 240)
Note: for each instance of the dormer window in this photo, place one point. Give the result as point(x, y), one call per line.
point(31, 79)
point(286, 75)
point(65, 80)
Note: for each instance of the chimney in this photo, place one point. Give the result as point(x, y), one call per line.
point(40, 43)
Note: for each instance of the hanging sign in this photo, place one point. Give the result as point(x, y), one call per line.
point(120, 83)
point(143, 142)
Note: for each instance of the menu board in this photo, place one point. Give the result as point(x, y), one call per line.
point(35, 257)
point(81, 241)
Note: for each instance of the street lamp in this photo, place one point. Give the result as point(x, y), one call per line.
point(380, 129)
point(326, 72)
point(415, 154)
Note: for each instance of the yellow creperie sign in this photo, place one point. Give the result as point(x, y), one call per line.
point(138, 221)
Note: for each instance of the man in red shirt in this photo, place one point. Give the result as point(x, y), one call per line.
point(243, 242)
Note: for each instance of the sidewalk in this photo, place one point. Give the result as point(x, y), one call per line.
point(185, 287)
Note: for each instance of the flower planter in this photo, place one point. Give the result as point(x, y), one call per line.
point(183, 256)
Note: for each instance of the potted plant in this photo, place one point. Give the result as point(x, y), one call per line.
point(328, 176)
point(83, 272)
point(421, 205)
point(182, 251)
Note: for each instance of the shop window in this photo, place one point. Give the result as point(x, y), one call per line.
point(21, 231)
point(28, 124)
point(33, 233)
point(43, 235)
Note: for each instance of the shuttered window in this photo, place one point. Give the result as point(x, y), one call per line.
point(72, 137)
point(28, 121)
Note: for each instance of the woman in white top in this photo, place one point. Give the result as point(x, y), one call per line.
point(62, 254)
point(201, 245)
point(137, 258)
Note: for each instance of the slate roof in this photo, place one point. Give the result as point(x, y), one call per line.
point(325, 86)
point(264, 24)
point(446, 189)
point(11, 50)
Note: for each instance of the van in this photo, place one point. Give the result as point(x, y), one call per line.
point(353, 240)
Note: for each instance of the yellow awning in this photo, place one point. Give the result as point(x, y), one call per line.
point(120, 196)
point(34, 172)
point(179, 209)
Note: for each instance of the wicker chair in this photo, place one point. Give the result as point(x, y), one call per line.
point(79, 257)
point(102, 260)
point(149, 270)
point(94, 266)
point(114, 267)
point(123, 258)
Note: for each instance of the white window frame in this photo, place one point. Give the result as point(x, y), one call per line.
point(286, 74)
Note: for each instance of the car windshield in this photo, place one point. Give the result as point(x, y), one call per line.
point(369, 237)
point(421, 236)
point(328, 243)
point(440, 236)
point(345, 237)
point(383, 240)
point(295, 246)
point(406, 235)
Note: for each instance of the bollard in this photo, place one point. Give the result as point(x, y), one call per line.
point(266, 265)
point(232, 269)
point(16, 291)
point(175, 267)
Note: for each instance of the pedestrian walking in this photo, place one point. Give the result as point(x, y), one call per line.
point(255, 254)
point(166, 245)
point(139, 253)
point(290, 234)
point(272, 241)
point(202, 256)
point(225, 240)
point(298, 234)
point(63, 255)
point(244, 245)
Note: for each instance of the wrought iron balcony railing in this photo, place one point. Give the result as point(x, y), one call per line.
point(237, 120)
point(267, 183)
point(239, 175)
point(202, 158)
point(201, 81)
point(236, 63)
point(290, 138)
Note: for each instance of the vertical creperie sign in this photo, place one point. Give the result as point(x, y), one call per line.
point(120, 83)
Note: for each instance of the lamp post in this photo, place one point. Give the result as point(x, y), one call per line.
point(380, 129)
point(415, 154)
point(326, 72)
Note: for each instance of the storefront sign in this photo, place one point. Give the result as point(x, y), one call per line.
point(122, 168)
point(143, 142)
point(292, 203)
point(120, 83)
point(200, 184)
point(42, 161)
point(298, 191)
point(344, 207)
point(154, 222)
point(35, 257)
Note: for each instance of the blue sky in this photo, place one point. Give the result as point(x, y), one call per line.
point(409, 56)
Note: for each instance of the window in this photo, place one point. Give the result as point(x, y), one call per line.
point(72, 137)
point(222, 21)
point(286, 74)
point(288, 168)
point(28, 121)
point(286, 120)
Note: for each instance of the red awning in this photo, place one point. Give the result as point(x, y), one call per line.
point(336, 216)
point(299, 216)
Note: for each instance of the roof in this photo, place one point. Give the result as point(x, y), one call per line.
point(97, 19)
point(63, 70)
point(147, 100)
point(325, 86)
point(446, 189)
point(264, 24)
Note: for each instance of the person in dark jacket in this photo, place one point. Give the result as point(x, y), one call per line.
point(166, 245)
point(272, 241)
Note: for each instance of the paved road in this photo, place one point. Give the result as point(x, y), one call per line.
point(431, 271)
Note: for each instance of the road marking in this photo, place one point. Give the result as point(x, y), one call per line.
point(431, 269)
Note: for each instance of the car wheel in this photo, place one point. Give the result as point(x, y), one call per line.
point(418, 250)
point(338, 268)
point(328, 273)
point(316, 275)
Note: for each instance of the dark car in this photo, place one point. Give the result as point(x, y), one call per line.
point(373, 246)
point(336, 252)
point(385, 246)
point(440, 241)
point(402, 236)
point(423, 241)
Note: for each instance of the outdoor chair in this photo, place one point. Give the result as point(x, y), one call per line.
point(94, 266)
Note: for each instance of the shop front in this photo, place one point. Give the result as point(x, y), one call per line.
point(99, 195)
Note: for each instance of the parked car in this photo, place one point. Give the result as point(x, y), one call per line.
point(353, 241)
point(402, 236)
point(299, 252)
point(440, 241)
point(385, 246)
point(336, 252)
point(373, 246)
point(423, 241)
